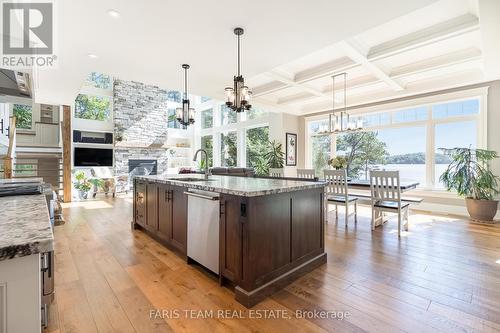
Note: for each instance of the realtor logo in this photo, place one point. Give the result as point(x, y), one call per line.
point(27, 34)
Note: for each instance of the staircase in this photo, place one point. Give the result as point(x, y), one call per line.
point(33, 162)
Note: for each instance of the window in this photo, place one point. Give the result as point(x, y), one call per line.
point(410, 115)
point(227, 116)
point(451, 135)
point(204, 99)
point(254, 113)
point(24, 115)
point(207, 119)
point(172, 119)
point(257, 143)
point(228, 149)
point(207, 144)
point(174, 96)
point(93, 107)
point(320, 147)
point(99, 81)
point(400, 149)
point(407, 140)
point(454, 109)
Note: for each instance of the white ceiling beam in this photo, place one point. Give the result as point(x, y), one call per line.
point(426, 65)
point(442, 61)
point(354, 52)
point(268, 88)
point(327, 69)
point(433, 34)
point(276, 75)
point(296, 98)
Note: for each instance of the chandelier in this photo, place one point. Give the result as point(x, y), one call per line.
point(238, 97)
point(340, 121)
point(185, 114)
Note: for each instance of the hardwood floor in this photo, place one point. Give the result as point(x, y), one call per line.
point(443, 275)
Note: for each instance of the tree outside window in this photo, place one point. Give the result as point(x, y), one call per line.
point(257, 142)
point(228, 149)
point(208, 145)
point(92, 107)
point(320, 153)
point(24, 115)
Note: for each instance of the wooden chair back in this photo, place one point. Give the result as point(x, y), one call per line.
point(306, 173)
point(385, 186)
point(337, 182)
point(276, 172)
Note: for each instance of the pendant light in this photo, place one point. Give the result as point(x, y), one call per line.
point(238, 97)
point(185, 114)
point(340, 121)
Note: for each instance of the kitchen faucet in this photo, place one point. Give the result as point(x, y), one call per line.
point(207, 171)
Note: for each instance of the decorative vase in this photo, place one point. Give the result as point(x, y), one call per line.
point(82, 194)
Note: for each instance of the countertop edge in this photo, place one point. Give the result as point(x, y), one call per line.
point(307, 185)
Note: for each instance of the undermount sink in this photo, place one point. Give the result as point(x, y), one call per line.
point(191, 179)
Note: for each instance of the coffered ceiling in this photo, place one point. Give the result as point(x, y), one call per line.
point(436, 47)
point(290, 49)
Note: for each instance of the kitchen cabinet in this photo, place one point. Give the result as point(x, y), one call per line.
point(165, 216)
point(151, 207)
point(140, 203)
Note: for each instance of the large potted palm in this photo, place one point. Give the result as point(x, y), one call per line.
point(469, 175)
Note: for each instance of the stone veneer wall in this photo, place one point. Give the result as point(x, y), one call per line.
point(140, 119)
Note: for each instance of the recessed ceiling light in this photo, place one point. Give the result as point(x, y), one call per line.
point(113, 13)
point(92, 56)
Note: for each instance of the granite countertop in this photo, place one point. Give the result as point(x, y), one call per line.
point(25, 226)
point(241, 186)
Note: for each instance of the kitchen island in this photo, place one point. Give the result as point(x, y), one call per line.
point(270, 230)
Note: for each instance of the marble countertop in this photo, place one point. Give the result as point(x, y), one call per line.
point(241, 186)
point(25, 227)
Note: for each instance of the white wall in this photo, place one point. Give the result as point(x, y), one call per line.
point(279, 125)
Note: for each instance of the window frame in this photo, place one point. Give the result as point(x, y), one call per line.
point(430, 124)
point(240, 127)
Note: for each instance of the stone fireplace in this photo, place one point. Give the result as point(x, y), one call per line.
point(140, 125)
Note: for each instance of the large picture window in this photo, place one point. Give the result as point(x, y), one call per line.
point(407, 140)
point(257, 143)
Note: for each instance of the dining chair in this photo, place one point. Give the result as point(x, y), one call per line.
point(336, 193)
point(386, 197)
point(306, 173)
point(276, 172)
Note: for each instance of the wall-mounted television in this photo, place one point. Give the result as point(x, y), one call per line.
point(89, 157)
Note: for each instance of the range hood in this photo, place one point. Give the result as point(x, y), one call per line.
point(15, 83)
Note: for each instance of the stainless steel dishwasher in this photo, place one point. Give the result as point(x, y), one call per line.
point(203, 228)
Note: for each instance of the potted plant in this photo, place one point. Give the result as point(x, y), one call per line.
point(82, 185)
point(469, 175)
point(338, 162)
point(275, 156)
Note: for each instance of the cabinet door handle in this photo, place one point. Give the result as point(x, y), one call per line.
point(167, 195)
point(1, 125)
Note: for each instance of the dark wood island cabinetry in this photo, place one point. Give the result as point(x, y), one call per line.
point(270, 231)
